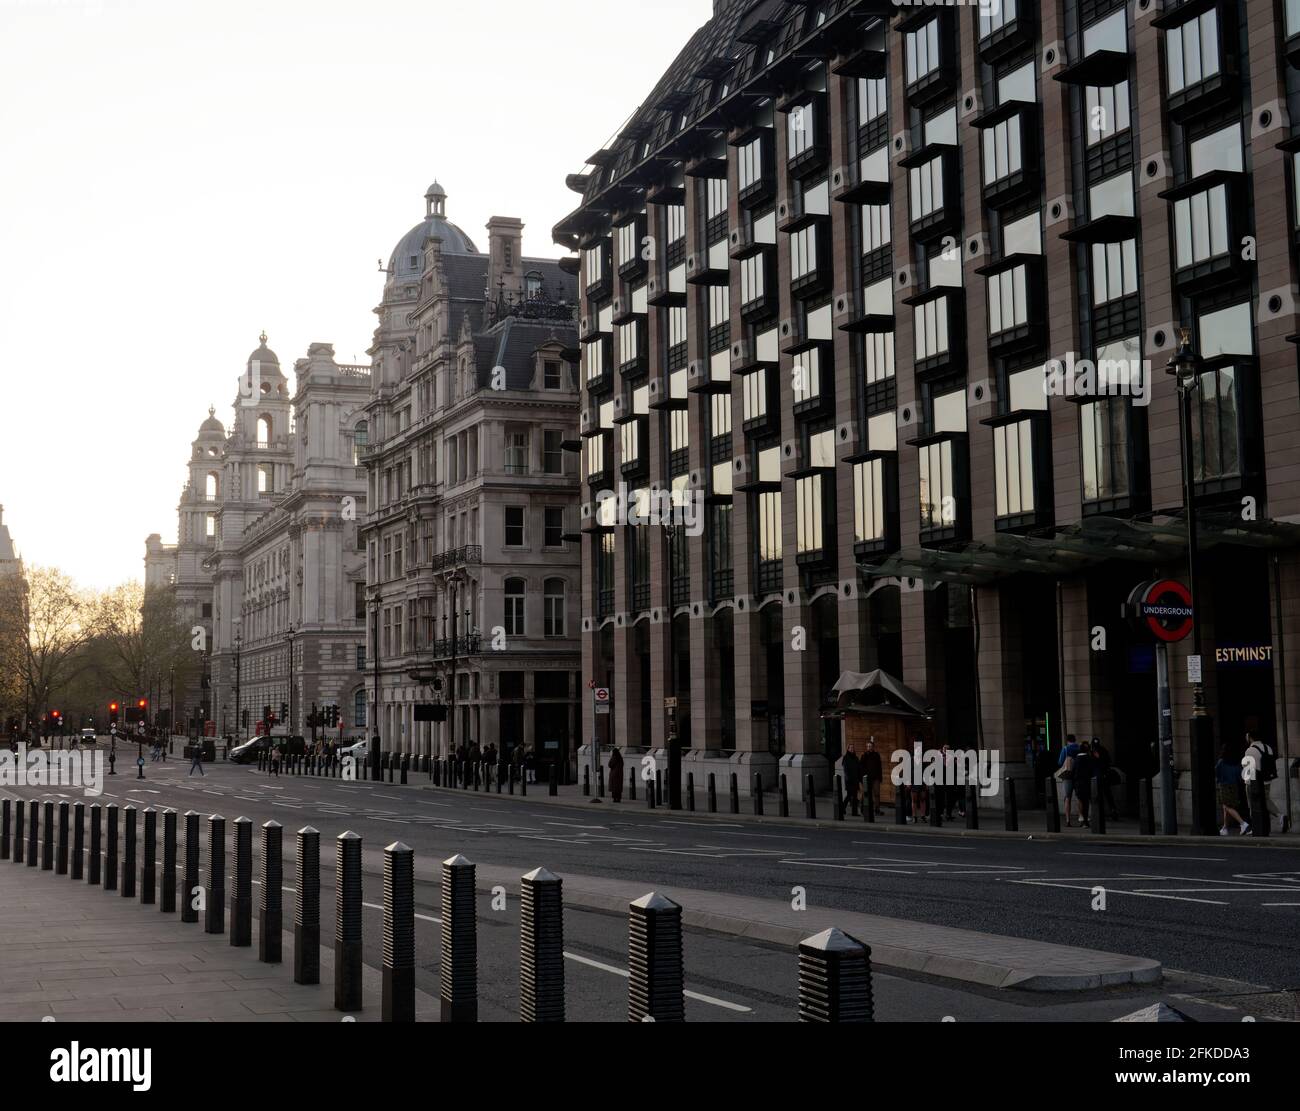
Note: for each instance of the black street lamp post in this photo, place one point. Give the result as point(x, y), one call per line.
point(291, 635)
point(239, 720)
point(1186, 367)
point(375, 602)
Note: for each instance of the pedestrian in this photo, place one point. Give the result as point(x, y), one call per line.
point(1085, 767)
point(196, 761)
point(616, 774)
point(873, 772)
point(530, 764)
point(275, 760)
point(1065, 774)
point(852, 770)
point(1107, 777)
point(920, 796)
point(1260, 763)
point(1228, 789)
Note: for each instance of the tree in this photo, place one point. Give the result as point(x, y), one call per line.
point(142, 641)
point(59, 619)
point(13, 650)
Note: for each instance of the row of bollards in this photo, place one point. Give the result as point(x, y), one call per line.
point(834, 969)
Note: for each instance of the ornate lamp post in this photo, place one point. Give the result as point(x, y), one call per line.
point(1186, 367)
point(376, 600)
point(239, 719)
point(290, 637)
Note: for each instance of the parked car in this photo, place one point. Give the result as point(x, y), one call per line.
point(87, 737)
point(246, 751)
point(358, 751)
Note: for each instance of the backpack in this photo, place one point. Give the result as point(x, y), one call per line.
point(1267, 764)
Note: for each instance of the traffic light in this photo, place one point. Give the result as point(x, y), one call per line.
point(112, 713)
point(284, 711)
point(267, 716)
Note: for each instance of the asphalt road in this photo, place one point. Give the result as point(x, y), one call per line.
point(1206, 910)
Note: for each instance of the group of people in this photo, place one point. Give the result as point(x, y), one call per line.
point(1077, 766)
point(1233, 779)
point(862, 778)
point(521, 756)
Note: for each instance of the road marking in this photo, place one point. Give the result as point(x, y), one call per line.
point(922, 844)
point(1149, 856)
point(850, 867)
point(1118, 891)
point(1280, 904)
point(711, 1000)
point(422, 917)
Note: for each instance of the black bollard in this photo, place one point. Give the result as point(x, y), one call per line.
point(600, 781)
point(18, 831)
point(712, 794)
point(838, 788)
point(1146, 809)
point(809, 797)
point(215, 890)
point(167, 897)
point(834, 979)
point(733, 789)
point(270, 903)
point(900, 805)
point(1010, 812)
point(61, 859)
point(406, 765)
point(868, 802)
point(586, 781)
point(1053, 813)
point(437, 773)
point(972, 808)
point(190, 876)
point(110, 849)
point(782, 796)
point(95, 858)
point(690, 791)
point(128, 856)
point(47, 839)
point(458, 961)
point(541, 948)
point(510, 780)
point(399, 934)
point(631, 784)
point(650, 794)
point(34, 833)
point(523, 782)
point(1259, 815)
point(241, 892)
point(148, 880)
point(555, 779)
point(306, 909)
point(756, 792)
point(1098, 809)
point(936, 804)
point(6, 816)
point(77, 864)
point(654, 958)
point(347, 922)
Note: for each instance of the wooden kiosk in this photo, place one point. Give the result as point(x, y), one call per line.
point(873, 705)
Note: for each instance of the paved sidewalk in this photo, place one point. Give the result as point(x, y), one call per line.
point(79, 953)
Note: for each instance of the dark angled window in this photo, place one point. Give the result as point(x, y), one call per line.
point(1216, 450)
point(1201, 226)
point(1013, 465)
point(1114, 271)
point(1107, 107)
point(1192, 51)
point(749, 163)
point(922, 48)
point(1103, 427)
point(996, 17)
point(869, 501)
point(925, 184)
point(803, 252)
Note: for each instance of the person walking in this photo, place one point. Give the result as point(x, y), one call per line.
point(1065, 774)
point(1085, 767)
point(196, 761)
point(616, 774)
point(1106, 778)
point(852, 771)
point(873, 773)
point(1228, 789)
point(1260, 763)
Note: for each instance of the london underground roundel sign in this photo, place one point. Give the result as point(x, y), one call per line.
point(1164, 607)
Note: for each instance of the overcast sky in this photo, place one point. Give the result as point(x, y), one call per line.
point(175, 177)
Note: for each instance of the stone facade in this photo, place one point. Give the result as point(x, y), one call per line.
point(472, 573)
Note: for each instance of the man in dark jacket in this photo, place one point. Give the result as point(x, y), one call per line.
point(852, 779)
point(616, 774)
point(872, 771)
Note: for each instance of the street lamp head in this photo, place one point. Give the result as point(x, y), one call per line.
point(1184, 363)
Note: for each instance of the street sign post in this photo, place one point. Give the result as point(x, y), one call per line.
point(600, 705)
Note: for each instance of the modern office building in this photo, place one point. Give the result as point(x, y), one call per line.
point(891, 290)
point(472, 572)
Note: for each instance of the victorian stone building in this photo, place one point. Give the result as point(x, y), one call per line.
point(882, 240)
point(472, 572)
point(267, 557)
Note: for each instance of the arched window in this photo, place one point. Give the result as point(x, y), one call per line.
point(532, 285)
point(211, 487)
point(514, 607)
point(553, 597)
point(359, 708)
point(360, 438)
point(263, 431)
